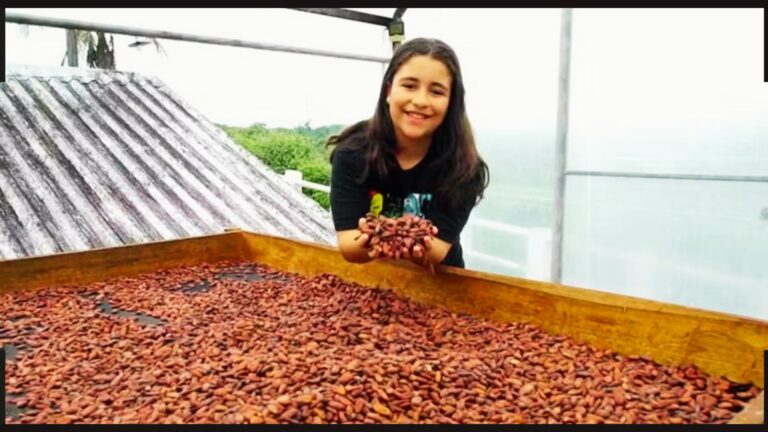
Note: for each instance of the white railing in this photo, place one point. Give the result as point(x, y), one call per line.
point(296, 179)
point(538, 249)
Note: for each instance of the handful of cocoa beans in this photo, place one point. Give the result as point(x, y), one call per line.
point(396, 237)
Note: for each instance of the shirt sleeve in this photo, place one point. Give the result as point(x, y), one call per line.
point(450, 222)
point(349, 198)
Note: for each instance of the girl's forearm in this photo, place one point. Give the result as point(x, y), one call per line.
point(356, 255)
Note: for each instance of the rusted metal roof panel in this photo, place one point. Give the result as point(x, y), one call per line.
point(92, 159)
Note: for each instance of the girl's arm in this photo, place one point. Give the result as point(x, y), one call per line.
point(352, 245)
point(349, 201)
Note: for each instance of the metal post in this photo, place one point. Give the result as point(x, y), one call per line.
point(294, 177)
point(397, 29)
point(561, 145)
point(348, 14)
point(665, 176)
point(396, 33)
point(133, 31)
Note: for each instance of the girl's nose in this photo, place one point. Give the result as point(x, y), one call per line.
point(419, 98)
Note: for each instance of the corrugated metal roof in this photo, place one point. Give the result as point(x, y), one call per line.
point(93, 159)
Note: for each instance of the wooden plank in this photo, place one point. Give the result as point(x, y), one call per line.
point(720, 344)
point(101, 264)
point(754, 413)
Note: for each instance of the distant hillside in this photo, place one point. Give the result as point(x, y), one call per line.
point(301, 148)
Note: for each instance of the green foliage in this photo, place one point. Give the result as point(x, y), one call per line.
point(301, 148)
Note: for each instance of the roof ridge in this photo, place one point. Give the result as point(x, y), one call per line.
point(69, 74)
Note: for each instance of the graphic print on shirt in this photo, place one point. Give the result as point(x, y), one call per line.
point(394, 206)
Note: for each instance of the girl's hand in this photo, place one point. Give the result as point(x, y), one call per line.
point(361, 241)
point(428, 251)
point(418, 252)
point(421, 255)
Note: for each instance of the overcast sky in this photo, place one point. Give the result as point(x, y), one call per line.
point(695, 64)
point(242, 86)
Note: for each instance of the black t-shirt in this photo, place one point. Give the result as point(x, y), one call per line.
point(409, 191)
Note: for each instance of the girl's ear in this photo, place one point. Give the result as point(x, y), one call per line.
point(389, 90)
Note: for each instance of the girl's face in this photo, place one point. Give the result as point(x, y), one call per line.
point(418, 98)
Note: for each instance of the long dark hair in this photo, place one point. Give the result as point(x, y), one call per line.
point(462, 173)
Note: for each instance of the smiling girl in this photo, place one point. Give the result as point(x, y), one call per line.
point(415, 155)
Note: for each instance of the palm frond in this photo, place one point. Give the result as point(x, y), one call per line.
point(158, 47)
point(24, 30)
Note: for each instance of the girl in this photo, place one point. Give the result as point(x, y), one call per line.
point(415, 155)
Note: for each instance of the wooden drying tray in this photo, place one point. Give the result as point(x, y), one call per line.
point(720, 344)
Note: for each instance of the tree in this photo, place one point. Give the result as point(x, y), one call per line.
point(101, 55)
point(100, 52)
point(301, 148)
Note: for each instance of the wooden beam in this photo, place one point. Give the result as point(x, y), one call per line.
point(101, 264)
point(720, 344)
point(349, 15)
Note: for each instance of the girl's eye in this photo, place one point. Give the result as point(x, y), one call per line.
point(438, 92)
point(409, 86)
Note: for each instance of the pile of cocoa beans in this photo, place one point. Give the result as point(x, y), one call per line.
point(235, 342)
point(396, 237)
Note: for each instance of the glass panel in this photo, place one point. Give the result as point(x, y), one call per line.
point(687, 97)
point(698, 243)
point(668, 91)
